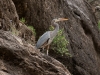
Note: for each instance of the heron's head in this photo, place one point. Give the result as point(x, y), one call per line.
point(60, 19)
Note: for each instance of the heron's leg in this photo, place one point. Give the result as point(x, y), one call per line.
point(47, 49)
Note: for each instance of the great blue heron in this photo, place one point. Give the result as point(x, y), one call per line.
point(45, 40)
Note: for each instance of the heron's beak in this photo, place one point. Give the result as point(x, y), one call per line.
point(62, 19)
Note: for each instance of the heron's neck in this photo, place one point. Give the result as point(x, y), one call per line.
point(55, 31)
point(56, 26)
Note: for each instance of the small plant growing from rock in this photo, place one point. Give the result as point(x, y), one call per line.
point(22, 20)
point(30, 27)
point(59, 43)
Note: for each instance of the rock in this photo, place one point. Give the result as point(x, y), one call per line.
point(81, 30)
point(9, 21)
point(26, 33)
point(17, 58)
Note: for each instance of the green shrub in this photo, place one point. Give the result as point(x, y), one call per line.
point(59, 43)
point(22, 20)
point(32, 28)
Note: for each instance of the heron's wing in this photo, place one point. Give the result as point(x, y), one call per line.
point(43, 39)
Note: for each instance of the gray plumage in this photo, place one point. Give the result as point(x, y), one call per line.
point(43, 39)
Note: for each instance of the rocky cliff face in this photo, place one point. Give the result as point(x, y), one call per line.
point(8, 15)
point(95, 4)
point(81, 31)
point(18, 57)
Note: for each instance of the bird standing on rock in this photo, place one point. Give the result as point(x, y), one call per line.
point(46, 39)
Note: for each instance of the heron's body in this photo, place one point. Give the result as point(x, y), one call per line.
point(46, 39)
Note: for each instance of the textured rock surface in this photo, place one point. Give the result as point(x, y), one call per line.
point(18, 58)
point(9, 21)
point(81, 30)
point(95, 4)
point(8, 15)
